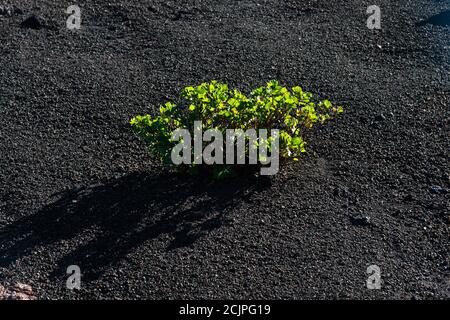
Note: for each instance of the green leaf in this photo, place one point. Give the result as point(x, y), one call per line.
point(296, 141)
point(327, 104)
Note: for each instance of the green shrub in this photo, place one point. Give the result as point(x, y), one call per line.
point(218, 107)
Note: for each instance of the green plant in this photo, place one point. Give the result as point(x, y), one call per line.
point(218, 107)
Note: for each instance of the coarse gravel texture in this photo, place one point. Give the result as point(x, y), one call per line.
point(78, 188)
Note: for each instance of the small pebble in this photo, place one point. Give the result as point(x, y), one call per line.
point(360, 220)
point(437, 189)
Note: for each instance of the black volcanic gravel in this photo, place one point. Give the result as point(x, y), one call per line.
point(77, 188)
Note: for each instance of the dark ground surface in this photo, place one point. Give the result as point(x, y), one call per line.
point(77, 188)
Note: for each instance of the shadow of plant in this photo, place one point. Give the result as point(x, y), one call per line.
point(441, 19)
point(102, 223)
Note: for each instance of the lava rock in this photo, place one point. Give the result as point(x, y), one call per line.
point(437, 189)
point(408, 198)
point(33, 22)
point(341, 191)
point(5, 11)
point(18, 11)
point(380, 117)
point(22, 292)
point(9, 11)
point(2, 292)
point(19, 292)
point(360, 220)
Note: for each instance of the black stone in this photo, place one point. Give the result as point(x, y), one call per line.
point(32, 22)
